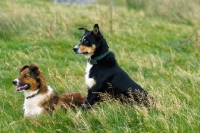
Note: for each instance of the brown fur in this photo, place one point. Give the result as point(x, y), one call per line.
point(66, 100)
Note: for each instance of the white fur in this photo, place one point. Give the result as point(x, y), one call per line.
point(89, 81)
point(31, 105)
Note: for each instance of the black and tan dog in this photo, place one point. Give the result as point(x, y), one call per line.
point(102, 69)
point(40, 98)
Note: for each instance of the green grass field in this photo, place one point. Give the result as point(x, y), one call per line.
point(150, 47)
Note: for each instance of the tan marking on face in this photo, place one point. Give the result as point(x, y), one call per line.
point(90, 50)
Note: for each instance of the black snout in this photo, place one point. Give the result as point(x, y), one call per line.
point(75, 49)
point(14, 82)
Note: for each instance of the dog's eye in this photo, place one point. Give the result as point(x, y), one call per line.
point(26, 76)
point(85, 40)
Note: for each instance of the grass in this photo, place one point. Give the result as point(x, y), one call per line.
point(179, 11)
point(148, 48)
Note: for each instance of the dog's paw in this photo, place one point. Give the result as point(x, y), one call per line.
point(84, 109)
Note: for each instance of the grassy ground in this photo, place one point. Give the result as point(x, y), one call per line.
point(149, 49)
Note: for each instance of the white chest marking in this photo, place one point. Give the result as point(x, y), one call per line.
point(32, 105)
point(89, 81)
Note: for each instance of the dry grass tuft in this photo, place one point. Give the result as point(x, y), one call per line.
point(135, 97)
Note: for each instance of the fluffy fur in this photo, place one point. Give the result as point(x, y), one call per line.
point(103, 71)
point(40, 98)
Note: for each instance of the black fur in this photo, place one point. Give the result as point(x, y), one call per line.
point(107, 71)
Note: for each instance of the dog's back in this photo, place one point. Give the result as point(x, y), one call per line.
point(62, 100)
point(72, 99)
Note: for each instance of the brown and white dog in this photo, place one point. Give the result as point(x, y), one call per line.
point(40, 98)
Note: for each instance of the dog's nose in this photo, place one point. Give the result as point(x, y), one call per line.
point(14, 82)
point(75, 49)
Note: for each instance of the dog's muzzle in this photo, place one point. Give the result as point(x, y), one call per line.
point(19, 86)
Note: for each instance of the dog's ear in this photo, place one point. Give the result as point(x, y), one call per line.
point(84, 29)
point(23, 67)
point(34, 69)
point(96, 30)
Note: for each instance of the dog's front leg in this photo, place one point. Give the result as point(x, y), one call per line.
point(91, 98)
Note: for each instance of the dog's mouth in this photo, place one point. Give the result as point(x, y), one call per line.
point(85, 53)
point(22, 87)
point(76, 51)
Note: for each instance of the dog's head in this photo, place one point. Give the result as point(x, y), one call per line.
point(30, 78)
point(92, 43)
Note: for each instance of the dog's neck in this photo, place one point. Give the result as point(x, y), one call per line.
point(41, 89)
point(95, 59)
point(34, 94)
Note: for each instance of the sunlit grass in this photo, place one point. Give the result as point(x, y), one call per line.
point(179, 11)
